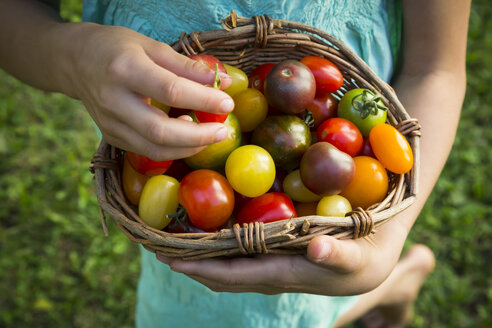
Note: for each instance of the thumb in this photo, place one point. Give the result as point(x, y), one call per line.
point(338, 255)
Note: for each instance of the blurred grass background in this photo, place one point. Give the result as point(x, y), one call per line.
point(58, 270)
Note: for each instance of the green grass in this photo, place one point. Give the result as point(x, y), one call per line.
point(58, 270)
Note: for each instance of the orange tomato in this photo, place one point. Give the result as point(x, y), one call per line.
point(369, 184)
point(133, 182)
point(391, 148)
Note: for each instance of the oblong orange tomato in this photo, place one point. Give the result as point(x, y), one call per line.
point(133, 182)
point(391, 148)
point(369, 184)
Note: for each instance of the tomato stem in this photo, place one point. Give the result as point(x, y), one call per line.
point(217, 79)
point(367, 103)
point(308, 118)
point(180, 216)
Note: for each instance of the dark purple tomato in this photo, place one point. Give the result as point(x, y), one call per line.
point(290, 87)
point(325, 170)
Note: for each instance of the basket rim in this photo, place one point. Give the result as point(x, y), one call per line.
point(111, 199)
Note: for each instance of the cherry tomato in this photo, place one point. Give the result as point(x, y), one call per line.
point(146, 166)
point(322, 108)
point(209, 61)
point(342, 134)
point(280, 175)
point(367, 149)
point(258, 76)
point(178, 169)
point(328, 77)
point(159, 199)
point(334, 205)
point(207, 197)
point(250, 170)
point(296, 190)
point(204, 117)
point(239, 80)
point(369, 184)
point(251, 108)
point(182, 224)
point(270, 207)
point(363, 108)
point(133, 182)
point(391, 148)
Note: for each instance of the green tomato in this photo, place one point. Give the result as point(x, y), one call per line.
point(159, 199)
point(296, 190)
point(334, 205)
point(250, 170)
point(363, 108)
point(215, 155)
point(239, 80)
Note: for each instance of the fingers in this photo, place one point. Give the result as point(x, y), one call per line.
point(140, 74)
point(156, 127)
point(339, 255)
point(166, 57)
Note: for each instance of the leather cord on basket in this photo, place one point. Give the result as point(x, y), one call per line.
point(253, 239)
point(363, 223)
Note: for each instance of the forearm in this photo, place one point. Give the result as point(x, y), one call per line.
point(36, 44)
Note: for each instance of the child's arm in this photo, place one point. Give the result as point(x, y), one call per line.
point(431, 87)
point(111, 70)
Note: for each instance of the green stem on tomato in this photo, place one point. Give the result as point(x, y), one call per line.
point(368, 104)
point(217, 79)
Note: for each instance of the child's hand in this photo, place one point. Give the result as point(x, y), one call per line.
point(116, 70)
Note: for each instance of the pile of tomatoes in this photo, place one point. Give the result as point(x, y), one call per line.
point(292, 149)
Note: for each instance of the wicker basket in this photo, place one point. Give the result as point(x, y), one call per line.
point(246, 43)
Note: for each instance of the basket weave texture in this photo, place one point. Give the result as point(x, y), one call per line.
point(247, 43)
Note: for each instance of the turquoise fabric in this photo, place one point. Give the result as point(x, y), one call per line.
point(169, 299)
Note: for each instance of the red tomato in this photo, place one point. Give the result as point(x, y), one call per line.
point(182, 225)
point(257, 77)
point(178, 169)
point(209, 61)
point(207, 197)
point(204, 117)
point(133, 182)
point(328, 77)
point(273, 206)
point(342, 134)
point(146, 166)
point(391, 148)
point(322, 108)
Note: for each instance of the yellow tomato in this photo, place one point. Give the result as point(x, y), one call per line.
point(239, 80)
point(159, 199)
point(251, 108)
point(369, 184)
point(133, 182)
point(296, 190)
point(250, 170)
point(334, 205)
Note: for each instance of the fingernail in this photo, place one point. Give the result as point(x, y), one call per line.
point(221, 134)
point(227, 105)
point(323, 251)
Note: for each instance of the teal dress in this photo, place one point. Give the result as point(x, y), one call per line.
point(169, 299)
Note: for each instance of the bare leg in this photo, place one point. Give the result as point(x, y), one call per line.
point(392, 301)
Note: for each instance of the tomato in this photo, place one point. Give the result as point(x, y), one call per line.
point(159, 199)
point(251, 108)
point(363, 108)
point(296, 190)
point(334, 205)
point(207, 197)
point(391, 148)
point(280, 175)
point(369, 184)
point(239, 80)
point(328, 77)
point(133, 182)
point(250, 170)
point(215, 155)
point(178, 169)
point(147, 166)
point(180, 223)
point(342, 134)
point(306, 209)
point(274, 206)
point(209, 61)
point(367, 149)
point(258, 76)
point(204, 117)
point(322, 108)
